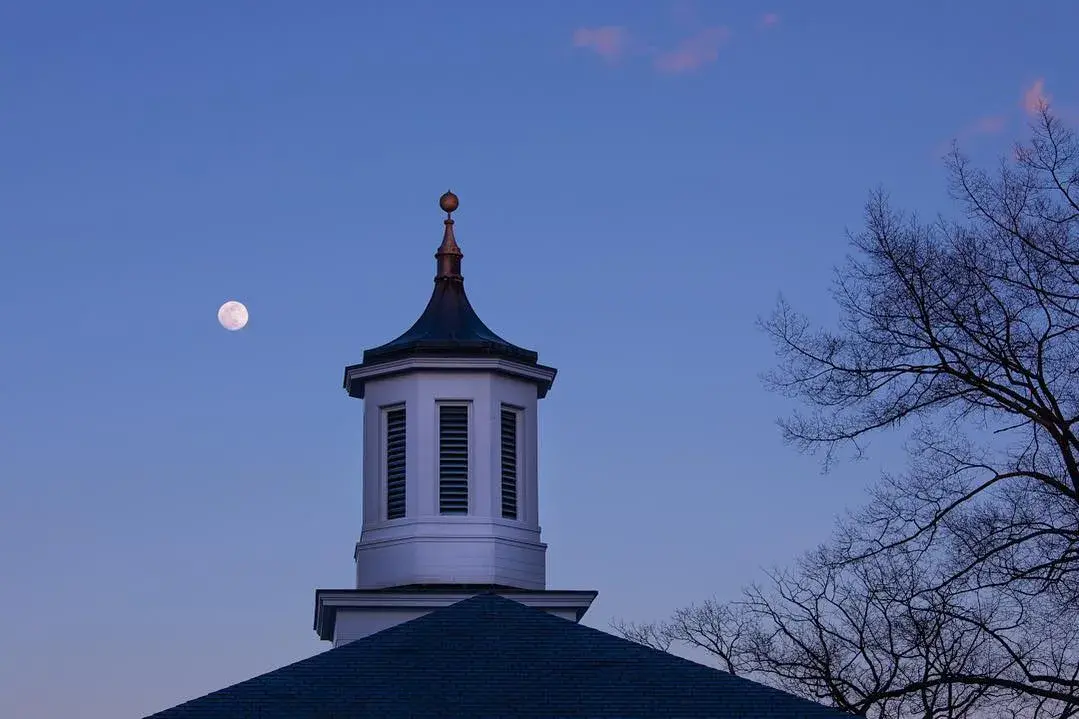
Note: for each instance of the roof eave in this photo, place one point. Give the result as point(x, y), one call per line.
point(357, 375)
point(329, 601)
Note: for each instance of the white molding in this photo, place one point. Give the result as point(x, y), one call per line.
point(458, 526)
point(370, 543)
point(330, 602)
point(542, 375)
point(433, 598)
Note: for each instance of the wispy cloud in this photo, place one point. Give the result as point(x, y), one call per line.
point(609, 42)
point(694, 52)
point(770, 19)
point(988, 125)
point(1034, 97)
point(984, 126)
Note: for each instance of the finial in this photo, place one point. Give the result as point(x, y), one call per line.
point(449, 254)
point(448, 202)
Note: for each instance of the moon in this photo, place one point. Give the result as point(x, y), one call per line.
point(232, 315)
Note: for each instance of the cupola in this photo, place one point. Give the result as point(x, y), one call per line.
point(450, 456)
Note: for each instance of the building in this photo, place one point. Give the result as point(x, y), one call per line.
point(451, 615)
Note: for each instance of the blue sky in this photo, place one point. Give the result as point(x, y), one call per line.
point(638, 180)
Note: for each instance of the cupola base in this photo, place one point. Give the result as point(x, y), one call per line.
point(345, 615)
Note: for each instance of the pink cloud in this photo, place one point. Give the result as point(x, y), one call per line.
point(770, 19)
point(609, 42)
point(988, 125)
point(694, 52)
point(985, 125)
point(1034, 97)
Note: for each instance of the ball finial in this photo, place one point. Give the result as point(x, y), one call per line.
point(448, 202)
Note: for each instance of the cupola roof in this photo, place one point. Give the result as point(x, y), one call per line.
point(449, 326)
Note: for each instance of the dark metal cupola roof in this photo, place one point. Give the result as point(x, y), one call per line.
point(449, 326)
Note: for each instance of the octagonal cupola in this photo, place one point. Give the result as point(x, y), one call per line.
point(450, 485)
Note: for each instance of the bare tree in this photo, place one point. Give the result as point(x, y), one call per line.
point(956, 589)
point(970, 330)
point(851, 635)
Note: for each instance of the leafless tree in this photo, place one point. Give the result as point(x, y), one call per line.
point(967, 333)
point(865, 637)
point(969, 330)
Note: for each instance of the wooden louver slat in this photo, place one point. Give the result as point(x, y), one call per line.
point(395, 463)
point(509, 463)
point(453, 459)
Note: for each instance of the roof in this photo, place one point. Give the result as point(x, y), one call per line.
point(329, 603)
point(488, 656)
point(449, 326)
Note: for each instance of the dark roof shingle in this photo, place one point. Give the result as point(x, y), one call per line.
point(489, 656)
point(448, 326)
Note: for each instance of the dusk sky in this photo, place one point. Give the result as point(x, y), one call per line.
point(639, 182)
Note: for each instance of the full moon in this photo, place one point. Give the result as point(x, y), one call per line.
point(232, 315)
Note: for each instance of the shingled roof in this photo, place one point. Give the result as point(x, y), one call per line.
point(488, 656)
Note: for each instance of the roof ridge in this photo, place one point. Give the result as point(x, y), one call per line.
point(489, 655)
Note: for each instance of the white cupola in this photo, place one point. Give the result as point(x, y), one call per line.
point(450, 464)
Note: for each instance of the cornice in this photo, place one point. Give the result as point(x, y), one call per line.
point(356, 376)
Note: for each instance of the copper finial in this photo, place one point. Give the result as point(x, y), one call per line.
point(449, 254)
point(448, 202)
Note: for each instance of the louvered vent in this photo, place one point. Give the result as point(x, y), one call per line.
point(509, 463)
point(453, 459)
point(395, 463)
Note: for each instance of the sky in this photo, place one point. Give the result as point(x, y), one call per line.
point(639, 182)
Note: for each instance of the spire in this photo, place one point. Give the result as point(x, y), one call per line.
point(449, 254)
point(448, 326)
